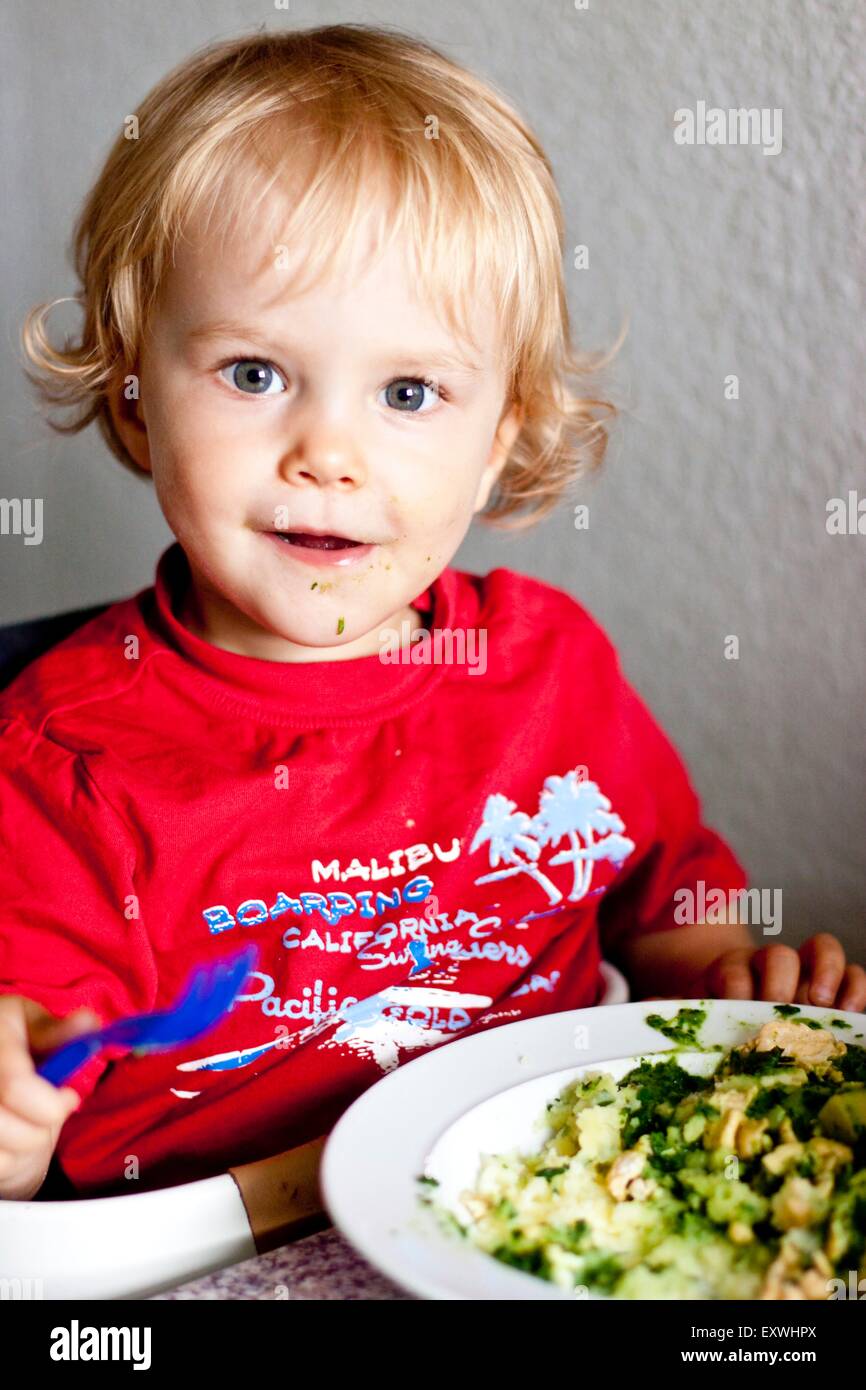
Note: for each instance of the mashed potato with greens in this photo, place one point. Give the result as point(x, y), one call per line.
point(748, 1184)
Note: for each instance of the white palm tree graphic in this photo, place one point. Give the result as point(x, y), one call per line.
point(509, 831)
point(570, 808)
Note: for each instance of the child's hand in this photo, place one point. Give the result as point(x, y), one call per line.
point(816, 974)
point(32, 1110)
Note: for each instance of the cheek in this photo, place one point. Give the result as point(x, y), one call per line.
point(190, 455)
point(440, 497)
point(455, 506)
point(184, 415)
point(187, 477)
point(433, 513)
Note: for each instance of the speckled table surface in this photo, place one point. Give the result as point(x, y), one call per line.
point(322, 1266)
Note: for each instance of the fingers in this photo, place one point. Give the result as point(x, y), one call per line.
point(802, 995)
point(45, 1032)
point(14, 1017)
point(25, 1096)
point(776, 970)
point(18, 1137)
point(729, 976)
point(32, 1111)
point(817, 974)
point(823, 964)
point(852, 991)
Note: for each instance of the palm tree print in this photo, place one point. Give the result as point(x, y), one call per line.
point(570, 808)
point(509, 832)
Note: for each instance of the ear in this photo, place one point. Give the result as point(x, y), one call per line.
point(510, 425)
point(127, 417)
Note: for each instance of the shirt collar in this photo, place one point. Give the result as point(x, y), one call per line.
point(301, 692)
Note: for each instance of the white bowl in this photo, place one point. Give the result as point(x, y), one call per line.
point(122, 1247)
point(441, 1113)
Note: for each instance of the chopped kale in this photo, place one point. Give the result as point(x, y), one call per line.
point(758, 1063)
point(532, 1261)
point(682, 1028)
point(669, 1155)
point(703, 1107)
point(853, 1064)
point(801, 1104)
point(660, 1086)
point(571, 1237)
point(602, 1273)
point(858, 1223)
point(693, 1223)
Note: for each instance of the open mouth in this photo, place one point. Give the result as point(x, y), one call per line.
point(316, 542)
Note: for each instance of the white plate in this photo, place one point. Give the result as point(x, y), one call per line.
point(437, 1114)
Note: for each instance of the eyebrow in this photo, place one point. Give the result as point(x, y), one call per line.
point(413, 359)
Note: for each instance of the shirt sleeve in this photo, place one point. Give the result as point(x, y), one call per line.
point(681, 854)
point(71, 930)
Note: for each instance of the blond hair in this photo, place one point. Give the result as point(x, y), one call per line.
point(478, 201)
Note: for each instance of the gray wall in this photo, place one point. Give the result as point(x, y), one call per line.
point(709, 518)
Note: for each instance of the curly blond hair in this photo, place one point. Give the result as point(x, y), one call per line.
point(474, 193)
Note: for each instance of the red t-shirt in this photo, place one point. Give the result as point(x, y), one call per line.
point(418, 849)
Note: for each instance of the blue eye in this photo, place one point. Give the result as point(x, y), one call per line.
point(406, 394)
point(252, 377)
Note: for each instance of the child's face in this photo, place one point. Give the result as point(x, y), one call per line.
point(335, 439)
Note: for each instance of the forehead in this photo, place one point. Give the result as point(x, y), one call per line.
point(253, 271)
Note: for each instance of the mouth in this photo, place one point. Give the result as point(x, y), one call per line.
point(314, 542)
point(323, 547)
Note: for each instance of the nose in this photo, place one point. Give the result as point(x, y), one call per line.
point(323, 456)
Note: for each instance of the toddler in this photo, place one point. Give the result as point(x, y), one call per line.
point(286, 740)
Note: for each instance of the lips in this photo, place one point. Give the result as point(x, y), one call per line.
point(321, 549)
point(313, 542)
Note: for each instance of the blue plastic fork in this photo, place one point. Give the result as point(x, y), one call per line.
point(210, 992)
